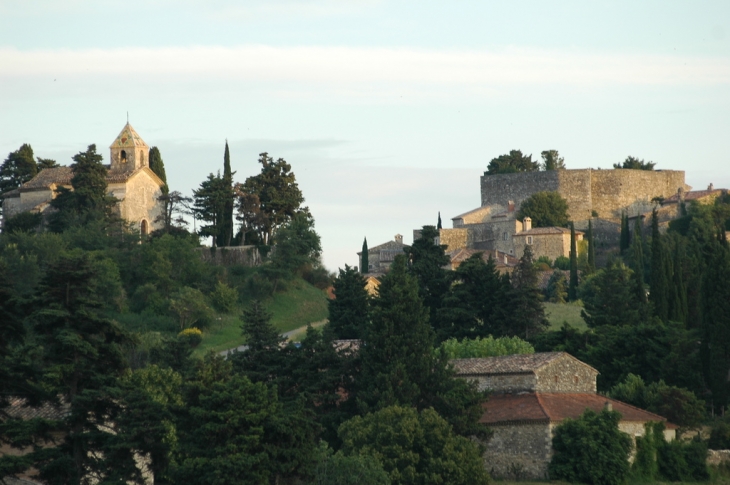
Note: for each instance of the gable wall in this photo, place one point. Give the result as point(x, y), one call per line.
point(566, 375)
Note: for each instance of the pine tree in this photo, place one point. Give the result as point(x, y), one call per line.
point(158, 166)
point(591, 248)
point(17, 169)
point(209, 206)
point(659, 283)
point(226, 233)
point(349, 310)
point(573, 284)
point(364, 263)
point(527, 317)
point(427, 261)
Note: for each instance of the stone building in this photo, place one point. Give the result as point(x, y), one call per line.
point(531, 395)
point(380, 257)
point(505, 263)
point(129, 179)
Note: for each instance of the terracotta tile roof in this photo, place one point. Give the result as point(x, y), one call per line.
point(555, 407)
point(507, 364)
point(63, 176)
point(694, 195)
point(17, 408)
point(546, 230)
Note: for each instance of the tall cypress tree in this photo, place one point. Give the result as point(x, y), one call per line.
point(637, 261)
point(659, 284)
point(591, 248)
point(438, 226)
point(678, 303)
point(158, 166)
point(716, 321)
point(226, 233)
point(573, 285)
point(364, 263)
point(625, 237)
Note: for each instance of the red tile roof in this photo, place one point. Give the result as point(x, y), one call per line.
point(504, 409)
point(63, 176)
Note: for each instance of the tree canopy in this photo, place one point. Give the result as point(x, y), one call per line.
point(512, 162)
point(545, 209)
point(551, 160)
point(635, 164)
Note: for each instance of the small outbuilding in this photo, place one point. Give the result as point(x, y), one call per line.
point(531, 395)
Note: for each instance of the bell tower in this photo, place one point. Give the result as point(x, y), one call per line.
point(129, 152)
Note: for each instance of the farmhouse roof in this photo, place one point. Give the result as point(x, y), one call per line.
point(50, 176)
point(555, 407)
point(509, 364)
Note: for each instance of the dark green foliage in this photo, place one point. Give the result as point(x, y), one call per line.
point(398, 364)
point(209, 206)
point(551, 160)
point(591, 450)
point(610, 297)
point(485, 347)
point(224, 298)
point(414, 447)
point(591, 249)
point(340, 469)
point(573, 281)
point(18, 168)
point(645, 466)
point(545, 209)
point(297, 245)
point(426, 262)
point(438, 224)
point(270, 199)
point(349, 310)
point(526, 315)
point(625, 239)
point(679, 406)
point(226, 232)
point(512, 163)
point(175, 207)
point(720, 435)
point(635, 164)
point(562, 262)
point(23, 222)
point(475, 304)
point(682, 462)
point(364, 262)
point(557, 289)
point(659, 284)
point(158, 167)
point(716, 321)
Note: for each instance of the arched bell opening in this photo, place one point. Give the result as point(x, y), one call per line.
point(123, 156)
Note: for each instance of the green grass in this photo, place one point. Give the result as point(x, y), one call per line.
point(557, 313)
point(298, 306)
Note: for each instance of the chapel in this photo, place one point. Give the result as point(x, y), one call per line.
point(129, 179)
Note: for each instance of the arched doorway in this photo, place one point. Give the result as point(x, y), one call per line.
point(143, 228)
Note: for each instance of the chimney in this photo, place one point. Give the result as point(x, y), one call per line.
point(399, 239)
point(608, 406)
point(526, 224)
point(510, 206)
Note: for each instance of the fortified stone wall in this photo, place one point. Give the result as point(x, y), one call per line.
point(588, 191)
point(519, 451)
point(453, 238)
point(566, 375)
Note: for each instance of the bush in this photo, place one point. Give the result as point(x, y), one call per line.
point(720, 435)
point(562, 262)
point(557, 287)
point(339, 469)
point(486, 347)
point(591, 449)
point(24, 222)
point(224, 298)
point(192, 336)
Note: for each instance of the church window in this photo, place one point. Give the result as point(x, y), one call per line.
point(123, 156)
point(504, 236)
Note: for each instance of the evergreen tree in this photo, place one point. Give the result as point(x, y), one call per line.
point(610, 297)
point(427, 262)
point(551, 160)
point(591, 249)
point(573, 283)
point(209, 206)
point(678, 305)
point(158, 166)
point(263, 354)
point(364, 262)
point(637, 250)
point(349, 309)
point(226, 233)
point(438, 225)
point(716, 323)
point(659, 289)
point(18, 168)
point(527, 316)
point(625, 236)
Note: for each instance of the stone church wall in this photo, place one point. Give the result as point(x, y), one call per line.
point(519, 451)
point(140, 200)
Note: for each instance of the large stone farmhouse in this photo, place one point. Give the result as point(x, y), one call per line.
point(129, 179)
point(531, 395)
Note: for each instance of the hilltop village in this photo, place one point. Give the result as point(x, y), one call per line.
point(573, 327)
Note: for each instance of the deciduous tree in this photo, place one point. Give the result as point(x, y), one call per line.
point(513, 162)
point(545, 209)
point(551, 160)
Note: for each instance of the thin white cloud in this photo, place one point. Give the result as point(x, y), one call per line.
point(351, 68)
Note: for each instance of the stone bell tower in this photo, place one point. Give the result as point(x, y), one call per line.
point(128, 151)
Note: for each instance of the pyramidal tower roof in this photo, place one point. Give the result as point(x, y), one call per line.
point(128, 138)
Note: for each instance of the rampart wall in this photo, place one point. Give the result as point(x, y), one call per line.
point(588, 191)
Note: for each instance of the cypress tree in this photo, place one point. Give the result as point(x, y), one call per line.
point(591, 249)
point(438, 226)
point(364, 263)
point(625, 237)
point(226, 232)
point(678, 308)
point(716, 321)
point(637, 260)
point(158, 166)
point(573, 285)
point(659, 284)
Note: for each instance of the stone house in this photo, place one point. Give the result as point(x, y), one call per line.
point(129, 179)
point(531, 395)
point(380, 257)
point(505, 263)
point(552, 242)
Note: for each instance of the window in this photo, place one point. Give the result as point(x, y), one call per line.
point(504, 236)
point(123, 156)
point(529, 239)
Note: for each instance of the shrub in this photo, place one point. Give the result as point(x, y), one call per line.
point(720, 435)
point(557, 288)
point(224, 298)
point(591, 449)
point(562, 262)
point(486, 347)
point(339, 469)
point(24, 222)
point(192, 336)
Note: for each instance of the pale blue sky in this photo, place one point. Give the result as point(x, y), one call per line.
point(387, 111)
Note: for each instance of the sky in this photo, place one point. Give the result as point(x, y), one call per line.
point(387, 111)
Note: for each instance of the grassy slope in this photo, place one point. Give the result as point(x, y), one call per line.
point(301, 304)
point(557, 313)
